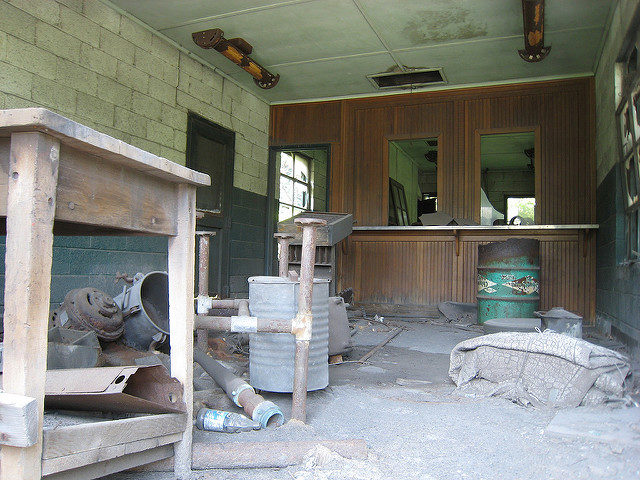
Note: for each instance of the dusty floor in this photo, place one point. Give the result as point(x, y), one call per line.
point(402, 404)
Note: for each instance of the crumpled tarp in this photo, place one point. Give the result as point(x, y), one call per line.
point(539, 369)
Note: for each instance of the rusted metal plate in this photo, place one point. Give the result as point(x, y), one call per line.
point(129, 389)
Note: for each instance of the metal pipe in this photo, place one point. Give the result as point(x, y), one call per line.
point(263, 411)
point(243, 308)
point(284, 239)
point(242, 324)
point(302, 323)
point(202, 338)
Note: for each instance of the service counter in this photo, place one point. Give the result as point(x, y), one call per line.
point(429, 264)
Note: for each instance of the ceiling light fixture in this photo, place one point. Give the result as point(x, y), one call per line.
point(237, 50)
point(533, 21)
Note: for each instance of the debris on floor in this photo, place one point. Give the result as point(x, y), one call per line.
point(459, 312)
point(539, 369)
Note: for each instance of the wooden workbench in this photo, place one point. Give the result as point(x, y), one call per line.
point(63, 177)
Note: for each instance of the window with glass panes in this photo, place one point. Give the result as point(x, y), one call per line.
point(628, 116)
point(295, 187)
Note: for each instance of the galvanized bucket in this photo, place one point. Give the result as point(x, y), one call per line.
point(560, 320)
point(145, 306)
point(508, 279)
point(271, 355)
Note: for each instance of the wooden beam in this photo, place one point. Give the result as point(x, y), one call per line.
point(31, 204)
point(118, 464)
point(81, 459)
point(62, 441)
point(18, 420)
point(181, 265)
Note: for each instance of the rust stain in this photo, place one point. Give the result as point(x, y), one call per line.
point(536, 15)
point(534, 37)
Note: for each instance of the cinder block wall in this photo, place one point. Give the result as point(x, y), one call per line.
point(86, 61)
point(618, 283)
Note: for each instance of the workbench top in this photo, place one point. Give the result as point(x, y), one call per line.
point(83, 138)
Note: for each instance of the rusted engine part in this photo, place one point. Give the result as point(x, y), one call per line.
point(284, 239)
point(533, 22)
point(237, 50)
point(90, 309)
point(262, 411)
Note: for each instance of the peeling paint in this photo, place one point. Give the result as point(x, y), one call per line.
point(443, 25)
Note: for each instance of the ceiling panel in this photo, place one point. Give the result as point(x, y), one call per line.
point(162, 14)
point(308, 31)
point(343, 76)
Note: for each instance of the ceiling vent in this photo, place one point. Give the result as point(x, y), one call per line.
point(414, 78)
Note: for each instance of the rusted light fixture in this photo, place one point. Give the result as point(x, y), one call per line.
point(237, 50)
point(533, 20)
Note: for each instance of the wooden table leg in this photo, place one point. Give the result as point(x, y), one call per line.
point(31, 203)
point(181, 311)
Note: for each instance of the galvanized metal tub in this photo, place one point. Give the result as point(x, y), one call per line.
point(508, 279)
point(271, 355)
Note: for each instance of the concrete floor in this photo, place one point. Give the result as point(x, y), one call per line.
point(403, 405)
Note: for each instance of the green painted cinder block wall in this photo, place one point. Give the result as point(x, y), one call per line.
point(617, 281)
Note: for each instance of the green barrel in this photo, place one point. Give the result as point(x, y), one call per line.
point(508, 279)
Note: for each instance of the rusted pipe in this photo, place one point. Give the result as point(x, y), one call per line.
point(264, 412)
point(242, 324)
point(302, 323)
point(284, 239)
point(202, 339)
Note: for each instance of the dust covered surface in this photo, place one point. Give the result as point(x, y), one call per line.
point(403, 404)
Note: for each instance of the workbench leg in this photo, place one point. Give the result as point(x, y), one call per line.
point(181, 311)
point(31, 204)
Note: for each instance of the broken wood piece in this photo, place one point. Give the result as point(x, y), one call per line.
point(18, 420)
point(394, 333)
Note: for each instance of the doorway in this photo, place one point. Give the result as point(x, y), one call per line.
point(210, 149)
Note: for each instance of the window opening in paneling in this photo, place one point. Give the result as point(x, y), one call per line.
point(507, 182)
point(413, 165)
point(302, 182)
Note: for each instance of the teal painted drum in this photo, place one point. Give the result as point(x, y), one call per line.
point(508, 279)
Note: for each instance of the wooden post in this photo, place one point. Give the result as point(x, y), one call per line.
point(31, 204)
point(181, 312)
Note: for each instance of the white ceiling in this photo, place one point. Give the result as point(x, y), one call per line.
point(326, 48)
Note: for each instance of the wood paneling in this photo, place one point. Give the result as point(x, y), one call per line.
point(358, 128)
point(423, 268)
point(562, 114)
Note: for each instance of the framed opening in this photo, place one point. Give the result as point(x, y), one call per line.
point(508, 189)
point(413, 169)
